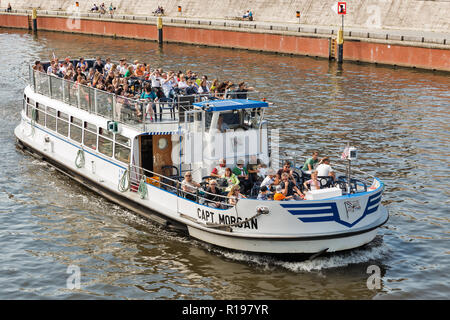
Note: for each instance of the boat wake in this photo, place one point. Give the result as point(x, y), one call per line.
point(374, 251)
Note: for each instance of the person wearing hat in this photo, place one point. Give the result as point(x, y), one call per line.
point(242, 174)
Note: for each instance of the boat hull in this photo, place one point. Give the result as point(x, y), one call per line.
point(279, 232)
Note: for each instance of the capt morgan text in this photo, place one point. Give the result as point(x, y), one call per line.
point(214, 217)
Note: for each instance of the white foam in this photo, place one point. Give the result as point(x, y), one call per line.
point(371, 252)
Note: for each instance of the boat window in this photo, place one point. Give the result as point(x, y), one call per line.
point(75, 133)
point(122, 153)
point(40, 115)
point(90, 139)
point(51, 111)
point(208, 117)
point(63, 115)
point(50, 122)
point(123, 140)
point(91, 127)
point(76, 121)
point(105, 133)
point(62, 127)
point(230, 119)
point(105, 146)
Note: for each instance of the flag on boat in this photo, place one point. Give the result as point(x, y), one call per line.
point(346, 153)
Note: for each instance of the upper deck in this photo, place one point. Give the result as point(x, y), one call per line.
point(142, 115)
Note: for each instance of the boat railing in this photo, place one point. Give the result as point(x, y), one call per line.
point(127, 110)
point(359, 177)
point(139, 176)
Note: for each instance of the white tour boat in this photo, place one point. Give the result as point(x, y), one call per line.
point(135, 154)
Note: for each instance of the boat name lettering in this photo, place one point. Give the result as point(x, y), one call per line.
point(214, 217)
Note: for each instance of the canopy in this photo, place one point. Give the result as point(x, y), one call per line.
point(230, 104)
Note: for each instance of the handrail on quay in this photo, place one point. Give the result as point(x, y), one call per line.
point(321, 31)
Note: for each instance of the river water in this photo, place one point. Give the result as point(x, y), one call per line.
point(398, 118)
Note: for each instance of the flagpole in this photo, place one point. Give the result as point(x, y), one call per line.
point(348, 169)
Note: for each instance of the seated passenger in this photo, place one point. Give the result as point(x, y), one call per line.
point(289, 187)
point(222, 126)
point(234, 195)
point(324, 169)
point(311, 162)
point(219, 171)
point(189, 186)
point(212, 195)
point(203, 86)
point(287, 169)
point(150, 95)
point(253, 168)
point(242, 174)
point(279, 194)
point(313, 183)
point(263, 193)
point(269, 181)
point(230, 178)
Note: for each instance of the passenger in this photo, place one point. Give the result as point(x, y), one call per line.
point(182, 84)
point(81, 63)
point(253, 170)
point(242, 174)
point(221, 125)
point(262, 171)
point(94, 8)
point(289, 187)
point(263, 193)
point(310, 163)
point(313, 183)
point(203, 86)
point(287, 169)
point(129, 72)
point(229, 92)
point(269, 181)
point(9, 9)
point(219, 171)
point(150, 95)
point(214, 85)
point(230, 178)
point(38, 66)
point(324, 169)
point(279, 195)
point(108, 65)
point(241, 92)
point(213, 194)
point(234, 195)
point(50, 68)
point(189, 186)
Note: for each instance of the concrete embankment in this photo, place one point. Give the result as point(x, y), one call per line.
point(427, 48)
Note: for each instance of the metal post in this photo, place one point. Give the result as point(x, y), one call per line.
point(160, 31)
point(50, 86)
point(34, 17)
point(340, 41)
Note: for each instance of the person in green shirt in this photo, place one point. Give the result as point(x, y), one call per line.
point(241, 173)
point(311, 162)
point(231, 179)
